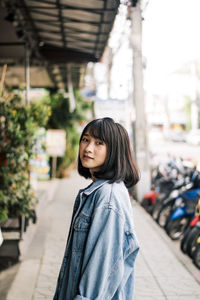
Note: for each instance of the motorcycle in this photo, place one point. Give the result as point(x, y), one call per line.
point(149, 199)
point(183, 211)
point(159, 174)
point(192, 240)
point(162, 183)
point(181, 175)
point(187, 235)
point(194, 235)
point(169, 192)
point(196, 256)
point(190, 182)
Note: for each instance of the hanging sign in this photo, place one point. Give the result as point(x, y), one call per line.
point(56, 142)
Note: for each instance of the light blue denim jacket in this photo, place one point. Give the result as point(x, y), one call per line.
point(101, 249)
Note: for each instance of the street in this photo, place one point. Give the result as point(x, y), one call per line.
point(164, 149)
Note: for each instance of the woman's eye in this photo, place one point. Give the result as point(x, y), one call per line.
point(99, 143)
point(84, 139)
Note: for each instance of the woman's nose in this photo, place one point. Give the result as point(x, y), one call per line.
point(89, 147)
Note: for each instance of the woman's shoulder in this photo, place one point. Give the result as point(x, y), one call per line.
point(113, 195)
point(117, 189)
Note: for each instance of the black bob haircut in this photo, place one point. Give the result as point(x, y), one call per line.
point(119, 165)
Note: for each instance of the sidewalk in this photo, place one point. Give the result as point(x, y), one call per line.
point(162, 271)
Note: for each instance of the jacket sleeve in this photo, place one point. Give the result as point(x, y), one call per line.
point(103, 263)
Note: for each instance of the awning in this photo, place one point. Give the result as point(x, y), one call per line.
point(58, 34)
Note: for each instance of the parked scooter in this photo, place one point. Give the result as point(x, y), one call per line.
point(159, 173)
point(165, 185)
point(196, 254)
point(192, 240)
point(149, 199)
point(187, 237)
point(190, 182)
point(162, 183)
point(190, 243)
point(196, 257)
point(194, 233)
point(170, 191)
point(180, 175)
point(182, 212)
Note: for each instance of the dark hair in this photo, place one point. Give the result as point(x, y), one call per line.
point(119, 165)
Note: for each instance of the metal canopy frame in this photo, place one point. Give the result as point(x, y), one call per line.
point(59, 32)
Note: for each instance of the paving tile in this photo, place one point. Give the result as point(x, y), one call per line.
point(145, 286)
point(46, 291)
point(141, 268)
point(179, 286)
point(184, 297)
point(159, 273)
point(141, 297)
point(155, 263)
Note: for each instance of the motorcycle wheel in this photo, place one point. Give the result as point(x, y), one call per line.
point(192, 241)
point(184, 241)
point(196, 257)
point(175, 228)
point(146, 204)
point(163, 215)
point(155, 210)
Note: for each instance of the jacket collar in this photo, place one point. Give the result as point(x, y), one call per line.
point(94, 186)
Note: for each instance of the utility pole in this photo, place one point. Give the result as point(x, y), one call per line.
point(141, 143)
point(109, 67)
point(194, 103)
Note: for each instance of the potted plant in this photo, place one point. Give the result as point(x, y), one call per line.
point(18, 125)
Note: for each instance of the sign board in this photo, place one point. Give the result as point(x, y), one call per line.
point(56, 142)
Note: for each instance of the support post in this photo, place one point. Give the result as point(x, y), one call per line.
point(141, 143)
point(70, 89)
point(27, 73)
point(3, 75)
point(54, 164)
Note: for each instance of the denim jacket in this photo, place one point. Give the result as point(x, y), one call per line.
point(99, 259)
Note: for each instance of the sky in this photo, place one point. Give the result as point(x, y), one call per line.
point(171, 36)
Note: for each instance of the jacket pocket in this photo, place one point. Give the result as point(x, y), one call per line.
point(131, 243)
point(81, 228)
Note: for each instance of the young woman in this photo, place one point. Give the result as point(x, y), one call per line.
point(101, 249)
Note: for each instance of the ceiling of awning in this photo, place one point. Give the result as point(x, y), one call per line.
point(58, 34)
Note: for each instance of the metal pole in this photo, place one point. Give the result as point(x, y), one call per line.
point(54, 164)
point(141, 144)
point(3, 79)
point(27, 73)
point(70, 89)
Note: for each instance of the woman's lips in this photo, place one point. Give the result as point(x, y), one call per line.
point(85, 157)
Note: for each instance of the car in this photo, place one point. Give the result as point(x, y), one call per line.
point(175, 135)
point(193, 137)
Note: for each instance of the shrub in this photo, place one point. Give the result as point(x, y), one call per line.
point(62, 118)
point(18, 125)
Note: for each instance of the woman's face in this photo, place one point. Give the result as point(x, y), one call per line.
point(92, 152)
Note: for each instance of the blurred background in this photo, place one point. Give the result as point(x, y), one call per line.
point(64, 63)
